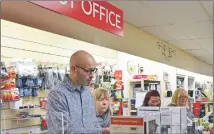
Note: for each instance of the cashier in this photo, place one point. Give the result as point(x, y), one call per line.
point(101, 101)
point(152, 98)
point(180, 98)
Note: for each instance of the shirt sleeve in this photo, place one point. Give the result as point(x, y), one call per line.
point(59, 120)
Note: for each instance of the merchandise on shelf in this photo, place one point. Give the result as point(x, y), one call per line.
point(50, 76)
point(146, 77)
point(43, 102)
point(1, 103)
point(9, 92)
point(43, 124)
point(3, 70)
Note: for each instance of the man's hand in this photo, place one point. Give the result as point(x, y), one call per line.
point(105, 130)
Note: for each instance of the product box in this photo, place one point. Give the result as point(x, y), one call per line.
point(152, 117)
point(166, 121)
point(126, 125)
point(178, 119)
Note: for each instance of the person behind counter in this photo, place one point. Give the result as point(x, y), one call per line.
point(179, 98)
point(101, 101)
point(152, 98)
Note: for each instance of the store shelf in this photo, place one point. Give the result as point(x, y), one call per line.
point(28, 118)
point(145, 80)
point(12, 124)
point(133, 111)
point(140, 86)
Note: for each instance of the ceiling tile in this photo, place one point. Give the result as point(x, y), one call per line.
point(199, 53)
point(137, 14)
point(203, 41)
point(179, 11)
point(208, 5)
point(208, 48)
point(185, 44)
point(208, 60)
point(166, 33)
point(206, 44)
point(202, 55)
point(203, 29)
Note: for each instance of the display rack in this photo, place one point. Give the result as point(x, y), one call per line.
point(181, 81)
point(141, 86)
point(191, 89)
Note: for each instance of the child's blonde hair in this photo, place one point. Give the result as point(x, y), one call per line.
point(98, 92)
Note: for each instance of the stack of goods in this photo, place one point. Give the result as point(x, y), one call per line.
point(206, 129)
point(31, 77)
point(26, 115)
point(200, 109)
point(50, 76)
point(26, 81)
point(117, 93)
point(9, 92)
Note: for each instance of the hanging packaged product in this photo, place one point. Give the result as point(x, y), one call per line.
point(118, 85)
point(9, 85)
point(10, 95)
point(43, 102)
point(1, 102)
point(3, 70)
point(11, 72)
point(10, 77)
point(15, 94)
point(25, 67)
point(43, 124)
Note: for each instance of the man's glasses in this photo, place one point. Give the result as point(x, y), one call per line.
point(88, 71)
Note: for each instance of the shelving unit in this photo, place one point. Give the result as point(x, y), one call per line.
point(9, 122)
point(191, 89)
point(191, 83)
point(180, 80)
point(140, 86)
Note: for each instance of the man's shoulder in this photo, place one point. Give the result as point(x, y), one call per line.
point(59, 88)
point(58, 92)
point(87, 90)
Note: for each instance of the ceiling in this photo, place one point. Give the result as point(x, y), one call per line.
point(187, 25)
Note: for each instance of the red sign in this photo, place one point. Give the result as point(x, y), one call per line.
point(99, 14)
point(127, 121)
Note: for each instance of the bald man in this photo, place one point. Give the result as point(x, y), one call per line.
point(70, 107)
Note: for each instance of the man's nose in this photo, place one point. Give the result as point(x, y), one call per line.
point(91, 75)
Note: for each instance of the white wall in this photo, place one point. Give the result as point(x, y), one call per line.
point(26, 42)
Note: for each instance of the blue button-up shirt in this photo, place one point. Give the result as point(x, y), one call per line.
point(71, 110)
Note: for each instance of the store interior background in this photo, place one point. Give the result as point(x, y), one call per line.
point(23, 41)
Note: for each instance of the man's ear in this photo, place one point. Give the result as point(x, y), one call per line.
point(72, 69)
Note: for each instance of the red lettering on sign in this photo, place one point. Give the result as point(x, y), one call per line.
point(99, 14)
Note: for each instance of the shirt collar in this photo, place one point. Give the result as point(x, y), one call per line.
point(68, 83)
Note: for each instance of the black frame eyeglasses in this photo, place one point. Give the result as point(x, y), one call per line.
point(88, 71)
